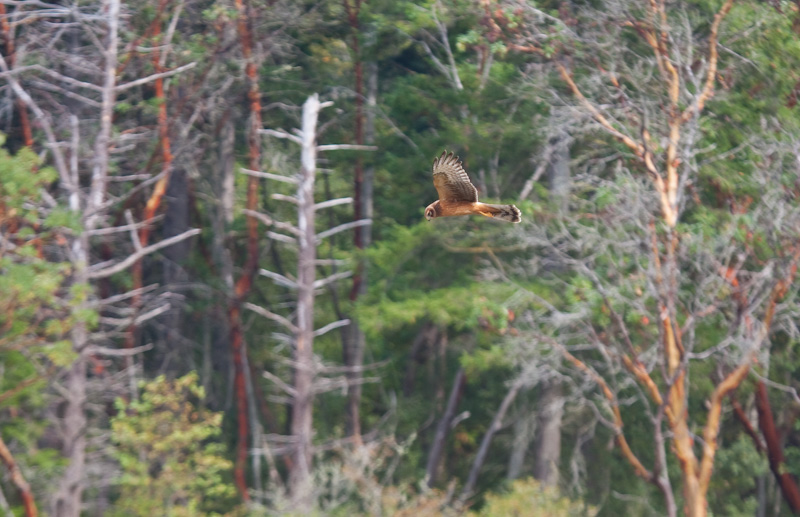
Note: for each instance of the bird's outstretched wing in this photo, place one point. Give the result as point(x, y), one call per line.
point(451, 180)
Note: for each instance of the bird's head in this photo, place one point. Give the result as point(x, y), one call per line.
point(431, 211)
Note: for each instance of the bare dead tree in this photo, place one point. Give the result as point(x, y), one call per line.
point(307, 379)
point(60, 100)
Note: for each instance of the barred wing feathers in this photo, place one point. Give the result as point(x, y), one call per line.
point(451, 180)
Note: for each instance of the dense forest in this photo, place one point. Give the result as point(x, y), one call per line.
point(219, 293)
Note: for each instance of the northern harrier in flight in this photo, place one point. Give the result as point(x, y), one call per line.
point(458, 196)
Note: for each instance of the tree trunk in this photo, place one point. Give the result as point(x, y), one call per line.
point(354, 358)
point(766, 422)
point(227, 160)
point(72, 427)
point(437, 448)
point(11, 58)
point(354, 342)
point(558, 173)
point(244, 283)
point(426, 338)
point(160, 188)
point(524, 431)
point(240, 394)
point(551, 399)
point(302, 416)
point(176, 221)
point(483, 450)
point(369, 139)
point(548, 441)
point(67, 499)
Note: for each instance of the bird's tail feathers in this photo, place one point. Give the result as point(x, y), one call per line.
point(508, 213)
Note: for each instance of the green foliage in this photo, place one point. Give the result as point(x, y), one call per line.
point(28, 283)
point(737, 468)
point(32, 326)
point(64, 217)
point(462, 308)
point(526, 497)
point(486, 359)
point(21, 179)
point(792, 455)
point(169, 452)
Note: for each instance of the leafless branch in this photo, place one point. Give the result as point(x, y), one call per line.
point(346, 147)
point(54, 75)
point(711, 73)
point(271, 222)
point(151, 78)
point(279, 382)
point(128, 227)
point(44, 120)
point(279, 133)
point(137, 244)
point(288, 199)
point(332, 278)
point(42, 85)
point(322, 385)
point(543, 163)
point(272, 316)
point(279, 279)
point(94, 272)
point(270, 176)
point(343, 227)
point(126, 322)
point(331, 326)
point(781, 387)
point(118, 352)
point(125, 296)
point(333, 202)
point(281, 237)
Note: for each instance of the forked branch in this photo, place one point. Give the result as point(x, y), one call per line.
point(627, 452)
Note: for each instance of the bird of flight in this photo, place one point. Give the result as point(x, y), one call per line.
point(458, 196)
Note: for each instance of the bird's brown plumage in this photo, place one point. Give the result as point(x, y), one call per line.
point(451, 180)
point(458, 196)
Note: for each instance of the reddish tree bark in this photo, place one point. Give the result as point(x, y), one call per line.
point(18, 480)
point(245, 281)
point(237, 349)
point(738, 411)
point(154, 202)
point(766, 422)
point(353, 10)
point(11, 57)
point(353, 345)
